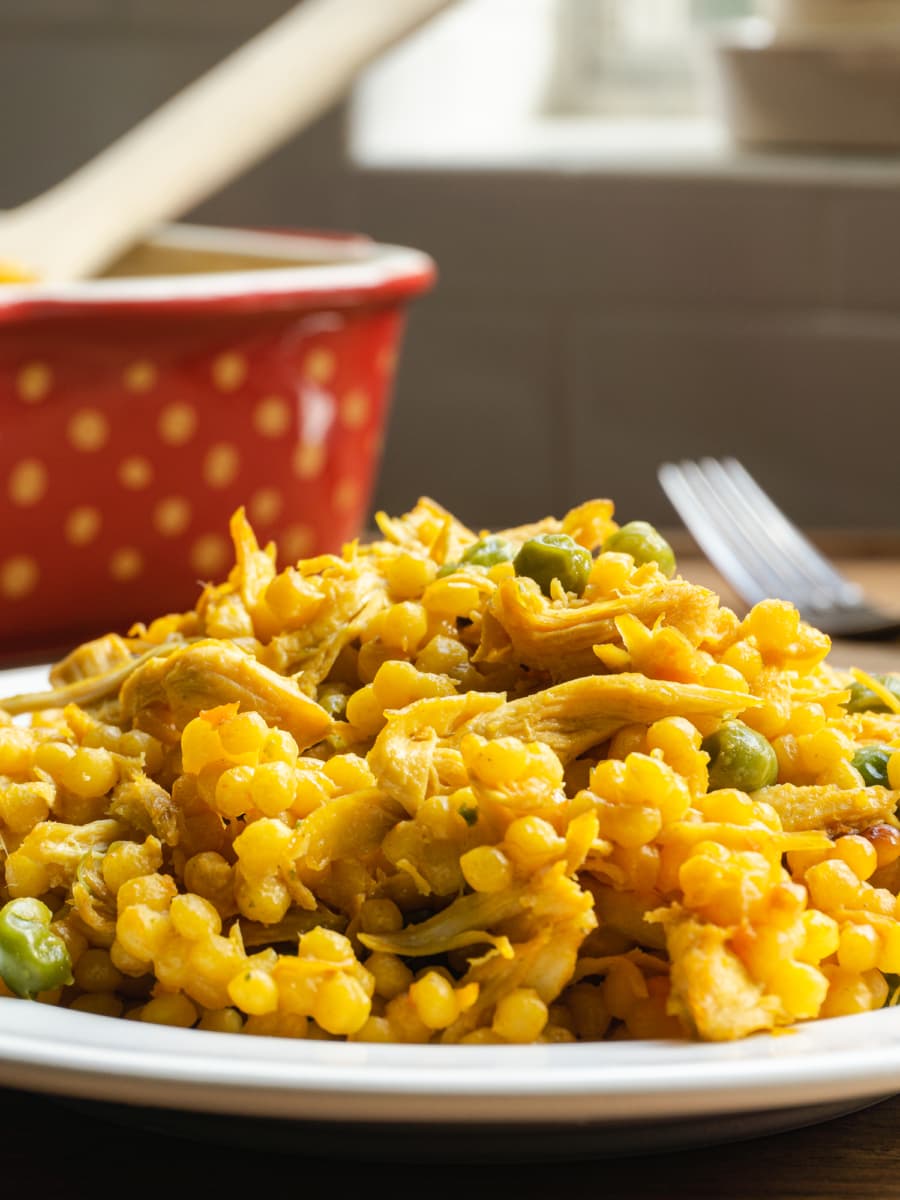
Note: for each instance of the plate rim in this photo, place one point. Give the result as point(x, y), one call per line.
point(88, 1056)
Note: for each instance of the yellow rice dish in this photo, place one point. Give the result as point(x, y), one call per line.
point(456, 787)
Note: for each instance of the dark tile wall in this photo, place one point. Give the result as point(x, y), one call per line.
point(476, 423)
point(611, 239)
point(682, 316)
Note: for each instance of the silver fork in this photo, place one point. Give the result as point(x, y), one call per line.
point(761, 553)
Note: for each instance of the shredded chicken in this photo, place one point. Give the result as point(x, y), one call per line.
point(167, 693)
point(574, 716)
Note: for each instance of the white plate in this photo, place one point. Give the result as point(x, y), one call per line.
point(418, 1101)
point(597, 1098)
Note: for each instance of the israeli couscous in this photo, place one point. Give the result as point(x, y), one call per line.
point(456, 787)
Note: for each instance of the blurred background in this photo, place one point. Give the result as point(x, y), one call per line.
point(637, 262)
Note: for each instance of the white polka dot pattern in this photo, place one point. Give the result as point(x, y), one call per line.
point(296, 542)
point(229, 371)
point(172, 516)
point(27, 482)
point(33, 382)
point(18, 577)
point(149, 467)
point(135, 472)
point(221, 464)
point(308, 460)
point(346, 494)
point(125, 564)
point(265, 506)
point(139, 376)
point(272, 417)
point(209, 554)
point(177, 423)
point(319, 365)
point(82, 525)
point(354, 409)
point(88, 430)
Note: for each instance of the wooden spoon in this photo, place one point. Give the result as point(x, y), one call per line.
point(204, 137)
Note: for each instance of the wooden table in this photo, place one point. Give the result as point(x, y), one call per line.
point(59, 1152)
point(54, 1150)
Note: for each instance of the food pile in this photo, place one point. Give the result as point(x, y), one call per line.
point(456, 787)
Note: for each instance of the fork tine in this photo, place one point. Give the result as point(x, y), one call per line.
point(762, 553)
point(733, 538)
point(775, 567)
point(699, 509)
point(747, 537)
point(792, 541)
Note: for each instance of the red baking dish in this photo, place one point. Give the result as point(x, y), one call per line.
point(213, 368)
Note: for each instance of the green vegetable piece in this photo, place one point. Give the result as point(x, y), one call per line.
point(739, 757)
point(484, 553)
point(552, 556)
point(644, 544)
point(488, 552)
point(863, 699)
point(32, 957)
point(872, 764)
point(893, 996)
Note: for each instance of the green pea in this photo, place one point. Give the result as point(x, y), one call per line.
point(739, 757)
point(32, 957)
point(488, 552)
point(872, 764)
point(644, 544)
point(552, 556)
point(863, 699)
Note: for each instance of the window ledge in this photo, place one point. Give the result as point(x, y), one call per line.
point(686, 146)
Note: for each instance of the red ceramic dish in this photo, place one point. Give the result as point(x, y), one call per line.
point(214, 368)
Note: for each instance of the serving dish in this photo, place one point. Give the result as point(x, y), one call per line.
point(211, 368)
point(840, 17)
point(811, 89)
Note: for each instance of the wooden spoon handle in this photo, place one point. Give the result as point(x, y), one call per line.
point(206, 135)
